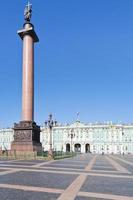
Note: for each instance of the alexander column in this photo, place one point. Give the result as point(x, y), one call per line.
point(26, 132)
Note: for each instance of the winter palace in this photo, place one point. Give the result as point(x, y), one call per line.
point(79, 137)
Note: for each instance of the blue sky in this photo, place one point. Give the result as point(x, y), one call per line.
point(83, 62)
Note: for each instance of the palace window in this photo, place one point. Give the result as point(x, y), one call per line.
point(87, 135)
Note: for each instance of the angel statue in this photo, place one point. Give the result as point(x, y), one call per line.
point(28, 12)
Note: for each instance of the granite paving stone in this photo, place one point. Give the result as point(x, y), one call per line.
point(64, 166)
point(71, 163)
point(108, 185)
point(40, 179)
point(17, 163)
point(32, 161)
point(3, 170)
point(88, 198)
point(126, 157)
point(11, 194)
point(5, 159)
point(127, 166)
point(102, 169)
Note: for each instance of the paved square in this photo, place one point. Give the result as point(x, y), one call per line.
point(12, 194)
point(84, 177)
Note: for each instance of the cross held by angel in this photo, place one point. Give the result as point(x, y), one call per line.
point(28, 12)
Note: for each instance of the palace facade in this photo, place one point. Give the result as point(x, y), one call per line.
point(80, 137)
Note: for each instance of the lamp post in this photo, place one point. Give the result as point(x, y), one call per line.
point(50, 123)
point(102, 150)
point(122, 140)
point(71, 135)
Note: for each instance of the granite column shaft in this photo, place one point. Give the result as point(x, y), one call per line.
point(28, 78)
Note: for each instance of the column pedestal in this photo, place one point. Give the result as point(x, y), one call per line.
point(26, 137)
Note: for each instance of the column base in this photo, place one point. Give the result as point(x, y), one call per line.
point(26, 137)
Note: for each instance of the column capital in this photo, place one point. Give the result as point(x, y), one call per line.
point(28, 30)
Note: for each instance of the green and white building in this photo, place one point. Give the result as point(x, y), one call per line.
point(94, 138)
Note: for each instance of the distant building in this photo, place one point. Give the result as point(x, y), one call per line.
point(6, 137)
point(84, 138)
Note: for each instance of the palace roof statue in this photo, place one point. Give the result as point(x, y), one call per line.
point(28, 12)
